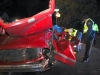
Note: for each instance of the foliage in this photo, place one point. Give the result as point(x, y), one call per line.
point(73, 10)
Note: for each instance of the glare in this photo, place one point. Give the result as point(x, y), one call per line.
point(16, 20)
point(75, 46)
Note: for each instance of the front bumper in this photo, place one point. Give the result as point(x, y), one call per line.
point(33, 67)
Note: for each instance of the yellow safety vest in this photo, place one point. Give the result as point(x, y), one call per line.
point(95, 27)
point(73, 33)
point(86, 27)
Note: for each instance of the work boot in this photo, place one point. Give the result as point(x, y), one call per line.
point(85, 60)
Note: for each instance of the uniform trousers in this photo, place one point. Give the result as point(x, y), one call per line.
point(89, 42)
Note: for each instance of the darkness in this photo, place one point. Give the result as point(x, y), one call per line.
point(98, 2)
point(26, 8)
point(22, 8)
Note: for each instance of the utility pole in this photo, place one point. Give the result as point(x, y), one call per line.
point(57, 15)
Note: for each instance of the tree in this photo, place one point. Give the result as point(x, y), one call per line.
point(72, 10)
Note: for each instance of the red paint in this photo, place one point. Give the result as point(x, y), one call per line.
point(33, 32)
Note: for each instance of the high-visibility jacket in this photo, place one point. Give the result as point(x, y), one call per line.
point(71, 31)
point(95, 27)
point(86, 27)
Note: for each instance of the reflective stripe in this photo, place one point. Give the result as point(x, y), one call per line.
point(85, 29)
point(31, 20)
point(66, 57)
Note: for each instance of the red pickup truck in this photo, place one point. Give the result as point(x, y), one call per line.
point(29, 44)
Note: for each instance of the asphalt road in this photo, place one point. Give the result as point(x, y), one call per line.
point(89, 68)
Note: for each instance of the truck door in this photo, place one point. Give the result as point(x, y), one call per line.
point(64, 49)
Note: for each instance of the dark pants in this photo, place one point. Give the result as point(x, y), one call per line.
point(89, 42)
point(94, 42)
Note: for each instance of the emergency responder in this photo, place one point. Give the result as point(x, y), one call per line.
point(79, 27)
point(76, 33)
point(71, 31)
point(57, 28)
point(97, 31)
point(56, 31)
point(90, 32)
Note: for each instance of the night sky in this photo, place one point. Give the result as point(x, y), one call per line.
point(22, 8)
point(98, 2)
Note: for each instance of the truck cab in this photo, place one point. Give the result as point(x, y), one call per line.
point(28, 43)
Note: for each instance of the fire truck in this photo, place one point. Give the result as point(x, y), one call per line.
point(30, 44)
